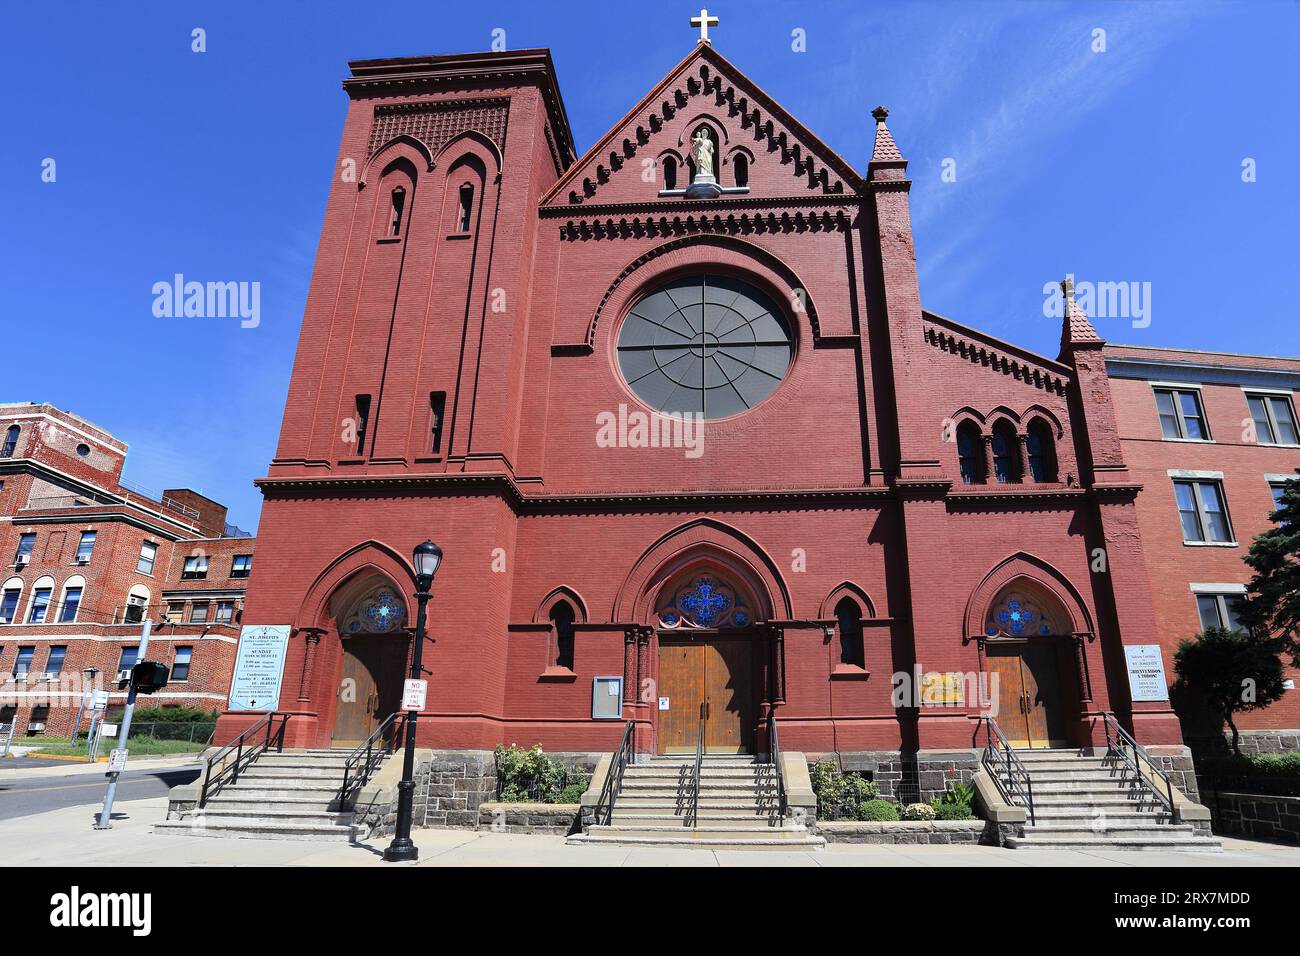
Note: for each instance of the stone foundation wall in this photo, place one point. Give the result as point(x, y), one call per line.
point(1178, 763)
point(936, 832)
point(909, 778)
point(560, 818)
point(1257, 815)
point(457, 783)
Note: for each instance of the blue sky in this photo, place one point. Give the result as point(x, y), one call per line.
point(1118, 166)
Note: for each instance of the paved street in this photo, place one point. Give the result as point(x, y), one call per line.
point(64, 837)
point(30, 786)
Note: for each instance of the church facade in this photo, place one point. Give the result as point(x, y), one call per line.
point(693, 450)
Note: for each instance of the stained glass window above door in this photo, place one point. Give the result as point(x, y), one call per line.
point(704, 345)
point(379, 612)
point(704, 601)
point(1021, 613)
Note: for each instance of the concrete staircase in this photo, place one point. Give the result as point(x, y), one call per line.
point(281, 796)
point(737, 808)
point(1085, 802)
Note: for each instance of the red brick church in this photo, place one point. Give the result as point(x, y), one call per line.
point(688, 440)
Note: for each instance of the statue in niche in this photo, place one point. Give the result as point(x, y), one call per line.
point(702, 153)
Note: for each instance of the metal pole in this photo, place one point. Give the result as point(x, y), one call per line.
point(105, 821)
point(402, 848)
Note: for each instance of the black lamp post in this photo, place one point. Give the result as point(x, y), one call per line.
point(426, 558)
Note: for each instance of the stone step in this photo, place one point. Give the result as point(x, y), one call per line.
point(706, 786)
point(1108, 826)
point(705, 810)
point(669, 802)
point(756, 772)
point(261, 769)
point(257, 792)
point(325, 833)
point(805, 841)
point(708, 760)
point(703, 831)
point(265, 815)
point(748, 821)
point(1144, 842)
point(1071, 812)
point(232, 802)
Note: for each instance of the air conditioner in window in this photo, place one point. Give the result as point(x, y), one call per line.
point(36, 728)
point(21, 560)
point(50, 676)
point(20, 678)
point(124, 675)
point(82, 561)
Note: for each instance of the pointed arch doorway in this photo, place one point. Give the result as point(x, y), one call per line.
point(1030, 667)
point(709, 655)
point(373, 664)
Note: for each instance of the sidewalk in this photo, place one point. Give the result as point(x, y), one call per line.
point(64, 837)
point(16, 767)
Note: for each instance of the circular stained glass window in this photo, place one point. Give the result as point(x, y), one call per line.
point(709, 345)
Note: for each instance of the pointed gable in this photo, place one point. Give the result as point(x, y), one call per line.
point(774, 155)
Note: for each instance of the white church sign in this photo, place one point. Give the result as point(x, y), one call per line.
point(259, 667)
point(1146, 672)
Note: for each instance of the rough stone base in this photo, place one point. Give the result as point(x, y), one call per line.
point(1257, 815)
point(561, 818)
point(932, 832)
point(1178, 763)
point(909, 778)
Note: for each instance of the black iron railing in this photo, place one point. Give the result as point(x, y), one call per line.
point(1007, 769)
point(688, 789)
point(1155, 783)
point(245, 748)
point(614, 778)
point(774, 754)
point(366, 758)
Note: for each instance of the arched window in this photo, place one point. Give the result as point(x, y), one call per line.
point(848, 616)
point(70, 600)
point(970, 453)
point(10, 595)
point(1006, 461)
point(1042, 452)
point(137, 604)
point(562, 618)
point(670, 172)
point(397, 199)
point(38, 611)
point(11, 442)
point(466, 208)
point(740, 169)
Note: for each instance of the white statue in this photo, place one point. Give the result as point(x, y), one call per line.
point(702, 153)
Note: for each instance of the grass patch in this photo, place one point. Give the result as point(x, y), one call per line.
point(139, 747)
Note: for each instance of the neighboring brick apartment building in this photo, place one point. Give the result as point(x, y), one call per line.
point(1212, 436)
point(87, 558)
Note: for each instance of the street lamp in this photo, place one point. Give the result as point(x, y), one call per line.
point(426, 558)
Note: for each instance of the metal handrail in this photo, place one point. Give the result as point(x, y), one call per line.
point(1000, 758)
point(366, 758)
point(774, 754)
point(1130, 751)
point(614, 778)
point(692, 816)
point(212, 785)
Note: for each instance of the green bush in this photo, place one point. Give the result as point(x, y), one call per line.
point(572, 793)
point(953, 811)
point(957, 794)
point(530, 776)
point(840, 795)
point(175, 715)
point(877, 811)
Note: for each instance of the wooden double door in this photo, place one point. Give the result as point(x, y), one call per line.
point(1028, 681)
point(710, 678)
point(370, 687)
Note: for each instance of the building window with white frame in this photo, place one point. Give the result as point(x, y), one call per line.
point(26, 543)
point(54, 663)
point(225, 612)
point(9, 598)
point(85, 547)
point(181, 663)
point(71, 604)
point(241, 565)
point(1202, 512)
point(148, 554)
point(128, 658)
point(1218, 609)
point(1274, 419)
point(41, 596)
point(199, 612)
point(1181, 415)
point(196, 568)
